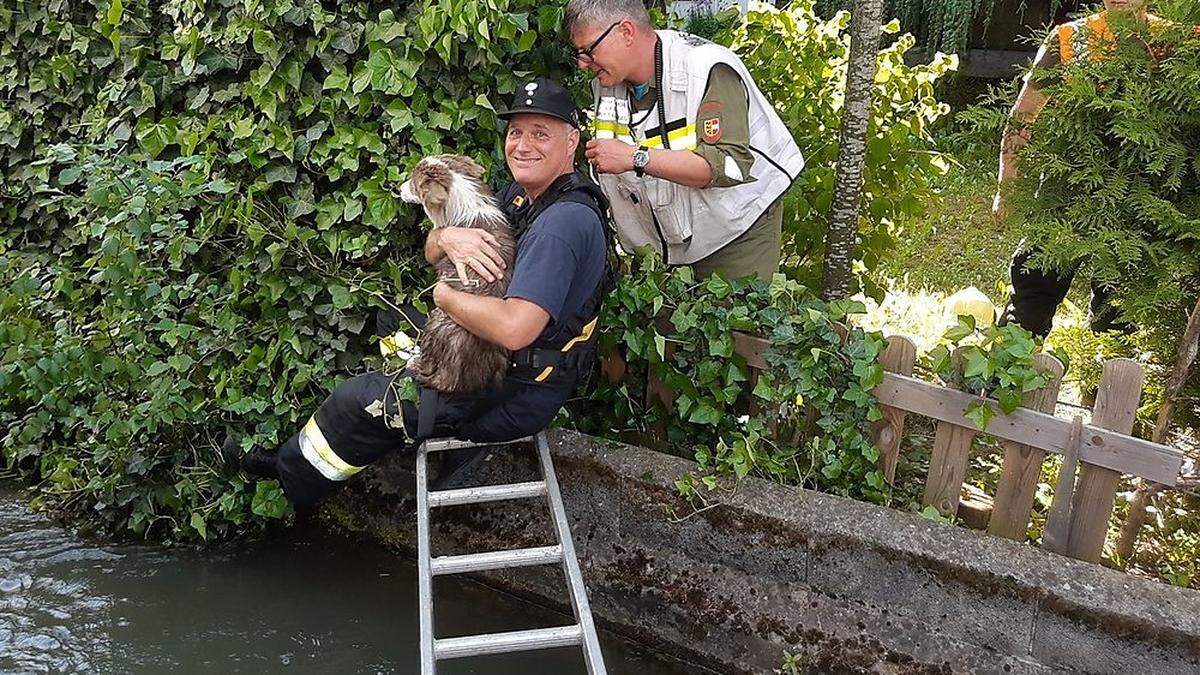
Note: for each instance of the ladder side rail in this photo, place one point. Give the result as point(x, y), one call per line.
point(592, 655)
point(424, 566)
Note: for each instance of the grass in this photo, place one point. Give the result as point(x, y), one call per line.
point(956, 243)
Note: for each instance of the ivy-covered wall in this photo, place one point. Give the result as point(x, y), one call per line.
point(198, 210)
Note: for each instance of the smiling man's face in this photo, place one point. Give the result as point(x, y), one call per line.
point(539, 149)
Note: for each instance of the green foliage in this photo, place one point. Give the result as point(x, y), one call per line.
point(813, 402)
point(1117, 190)
point(799, 62)
point(1119, 184)
point(198, 208)
point(996, 361)
point(939, 25)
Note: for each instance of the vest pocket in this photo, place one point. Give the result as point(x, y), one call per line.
point(672, 209)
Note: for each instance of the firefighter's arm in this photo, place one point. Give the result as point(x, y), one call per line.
point(512, 323)
point(1029, 105)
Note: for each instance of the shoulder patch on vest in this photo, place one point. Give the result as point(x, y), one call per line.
point(709, 117)
point(694, 40)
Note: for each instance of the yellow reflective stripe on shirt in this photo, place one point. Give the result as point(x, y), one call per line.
point(545, 373)
point(584, 335)
point(681, 139)
point(316, 450)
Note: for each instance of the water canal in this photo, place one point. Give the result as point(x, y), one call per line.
point(302, 601)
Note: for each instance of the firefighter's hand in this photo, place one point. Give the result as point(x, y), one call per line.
point(440, 291)
point(470, 248)
point(610, 155)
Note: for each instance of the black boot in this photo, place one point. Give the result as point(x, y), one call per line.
point(455, 466)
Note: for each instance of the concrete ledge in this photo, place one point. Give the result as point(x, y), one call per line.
point(844, 585)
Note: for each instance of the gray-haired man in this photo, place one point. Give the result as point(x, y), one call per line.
point(691, 155)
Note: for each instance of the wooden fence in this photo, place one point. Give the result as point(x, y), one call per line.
point(1094, 456)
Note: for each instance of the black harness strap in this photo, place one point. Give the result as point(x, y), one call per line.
point(545, 354)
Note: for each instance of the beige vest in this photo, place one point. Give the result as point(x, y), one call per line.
point(688, 224)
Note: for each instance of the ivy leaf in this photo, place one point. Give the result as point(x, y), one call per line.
point(660, 345)
point(341, 296)
point(684, 319)
point(764, 389)
point(280, 173)
point(1008, 399)
point(198, 524)
point(336, 80)
point(269, 500)
point(721, 345)
point(718, 287)
point(115, 10)
point(981, 413)
point(526, 41)
point(704, 414)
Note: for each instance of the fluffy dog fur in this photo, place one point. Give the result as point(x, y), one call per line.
point(451, 189)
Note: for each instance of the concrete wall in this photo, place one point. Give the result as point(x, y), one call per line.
point(843, 584)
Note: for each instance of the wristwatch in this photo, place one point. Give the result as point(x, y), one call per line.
point(641, 157)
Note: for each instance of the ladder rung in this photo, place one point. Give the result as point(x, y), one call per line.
point(500, 643)
point(494, 560)
point(455, 444)
point(487, 493)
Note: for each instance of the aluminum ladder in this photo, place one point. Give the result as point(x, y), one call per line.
point(582, 633)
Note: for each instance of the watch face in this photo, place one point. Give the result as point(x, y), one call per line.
point(641, 158)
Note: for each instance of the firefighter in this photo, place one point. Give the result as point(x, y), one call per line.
point(1037, 293)
point(548, 317)
point(689, 152)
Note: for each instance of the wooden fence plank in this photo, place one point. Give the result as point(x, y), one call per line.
point(948, 467)
point(1116, 408)
point(1023, 463)
point(1100, 446)
point(751, 347)
point(949, 459)
point(1058, 521)
point(898, 357)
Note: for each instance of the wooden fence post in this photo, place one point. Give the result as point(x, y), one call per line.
point(1023, 463)
point(948, 461)
point(887, 433)
point(1116, 408)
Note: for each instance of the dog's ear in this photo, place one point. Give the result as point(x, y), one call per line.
point(466, 166)
point(474, 169)
point(433, 191)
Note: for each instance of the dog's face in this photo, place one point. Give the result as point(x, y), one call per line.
point(434, 179)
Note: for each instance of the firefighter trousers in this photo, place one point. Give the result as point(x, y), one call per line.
point(369, 415)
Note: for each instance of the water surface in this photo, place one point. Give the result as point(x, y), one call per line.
point(304, 601)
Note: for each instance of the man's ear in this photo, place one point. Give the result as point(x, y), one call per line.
point(573, 137)
point(628, 30)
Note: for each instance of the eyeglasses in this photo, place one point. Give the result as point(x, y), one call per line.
point(585, 54)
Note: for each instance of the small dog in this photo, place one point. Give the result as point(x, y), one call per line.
point(452, 359)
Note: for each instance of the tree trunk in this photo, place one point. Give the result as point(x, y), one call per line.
point(842, 235)
point(1185, 356)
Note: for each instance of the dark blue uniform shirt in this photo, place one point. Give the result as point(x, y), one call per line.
point(560, 261)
